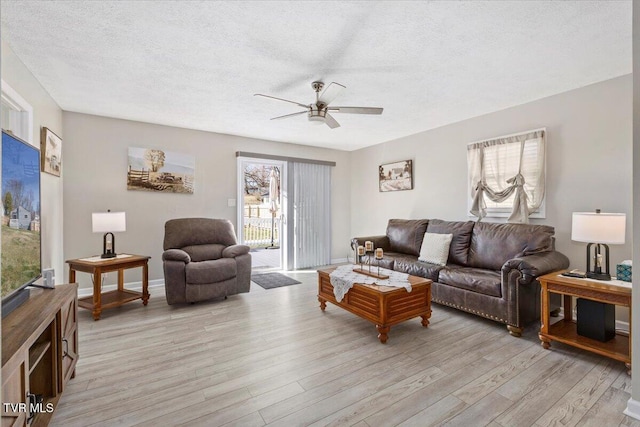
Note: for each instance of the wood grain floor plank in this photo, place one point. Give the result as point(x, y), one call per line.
point(273, 357)
point(409, 406)
point(358, 411)
point(540, 395)
point(482, 412)
point(489, 382)
point(436, 414)
point(571, 408)
point(213, 416)
point(326, 407)
point(348, 379)
point(607, 410)
point(251, 420)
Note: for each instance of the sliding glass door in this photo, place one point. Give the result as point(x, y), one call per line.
point(261, 198)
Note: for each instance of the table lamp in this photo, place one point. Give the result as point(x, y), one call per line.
point(599, 230)
point(108, 223)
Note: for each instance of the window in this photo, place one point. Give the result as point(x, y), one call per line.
point(507, 176)
point(17, 114)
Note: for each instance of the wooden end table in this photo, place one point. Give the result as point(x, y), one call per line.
point(565, 330)
point(383, 305)
point(96, 266)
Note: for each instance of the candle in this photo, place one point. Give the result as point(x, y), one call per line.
point(360, 250)
point(379, 253)
point(368, 245)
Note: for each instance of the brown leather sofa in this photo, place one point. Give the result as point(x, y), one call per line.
point(491, 270)
point(202, 260)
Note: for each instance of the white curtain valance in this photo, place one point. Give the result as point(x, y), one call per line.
point(506, 166)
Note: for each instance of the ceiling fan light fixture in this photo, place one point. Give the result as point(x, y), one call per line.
point(316, 120)
point(318, 112)
point(316, 115)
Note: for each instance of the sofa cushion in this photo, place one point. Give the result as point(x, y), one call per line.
point(204, 252)
point(494, 244)
point(211, 271)
point(411, 265)
point(435, 248)
point(461, 230)
point(405, 235)
point(485, 282)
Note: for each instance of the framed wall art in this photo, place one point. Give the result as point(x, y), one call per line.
point(396, 176)
point(157, 170)
point(50, 152)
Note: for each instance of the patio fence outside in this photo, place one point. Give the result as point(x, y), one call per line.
point(258, 226)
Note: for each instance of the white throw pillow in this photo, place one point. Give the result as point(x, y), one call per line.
point(435, 248)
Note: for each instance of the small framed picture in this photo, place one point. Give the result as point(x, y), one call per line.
point(396, 176)
point(50, 152)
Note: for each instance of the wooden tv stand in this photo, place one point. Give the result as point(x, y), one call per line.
point(39, 355)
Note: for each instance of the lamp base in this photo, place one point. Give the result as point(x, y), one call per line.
point(598, 276)
point(109, 255)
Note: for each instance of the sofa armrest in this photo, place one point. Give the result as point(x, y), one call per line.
point(378, 242)
point(235, 250)
point(176, 255)
point(535, 265)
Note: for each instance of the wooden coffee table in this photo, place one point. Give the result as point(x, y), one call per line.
point(384, 306)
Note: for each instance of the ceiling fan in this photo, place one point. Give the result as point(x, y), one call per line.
point(319, 111)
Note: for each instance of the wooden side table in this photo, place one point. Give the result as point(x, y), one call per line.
point(96, 266)
point(565, 330)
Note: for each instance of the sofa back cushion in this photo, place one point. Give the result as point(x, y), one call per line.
point(405, 235)
point(461, 230)
point(493, 244)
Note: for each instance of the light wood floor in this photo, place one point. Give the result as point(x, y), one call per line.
point(273, 358)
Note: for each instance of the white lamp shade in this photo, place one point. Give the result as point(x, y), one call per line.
point(109, 222)
point(592, 227)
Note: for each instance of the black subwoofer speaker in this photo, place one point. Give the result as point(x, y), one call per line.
point(596, 320)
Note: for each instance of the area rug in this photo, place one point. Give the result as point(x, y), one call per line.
point(273, 280)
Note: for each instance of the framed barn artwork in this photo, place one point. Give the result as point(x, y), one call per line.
point(158, 170)
point(396, 176)
point(50, 152)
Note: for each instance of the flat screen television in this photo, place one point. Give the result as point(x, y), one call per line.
point(21, 261)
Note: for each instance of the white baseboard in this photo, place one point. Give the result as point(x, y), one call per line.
point(136, 286)
point(339, 260)
point(633, 409)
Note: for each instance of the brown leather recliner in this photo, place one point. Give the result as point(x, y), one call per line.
point(202, 260)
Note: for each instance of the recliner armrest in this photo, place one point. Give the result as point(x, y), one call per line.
point(535, 265)
point(235, 250)
point(176, 255)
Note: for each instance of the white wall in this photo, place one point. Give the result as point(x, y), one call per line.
point(589, 165)
point(633, 405)
point(46, 113)
point(95, 153)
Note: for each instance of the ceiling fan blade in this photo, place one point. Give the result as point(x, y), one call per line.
point(356, 110)
point(280, 99)
point(330, 121)
point(289, 115)
point(330, 93)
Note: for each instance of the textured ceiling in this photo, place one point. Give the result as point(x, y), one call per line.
point(197, 64)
